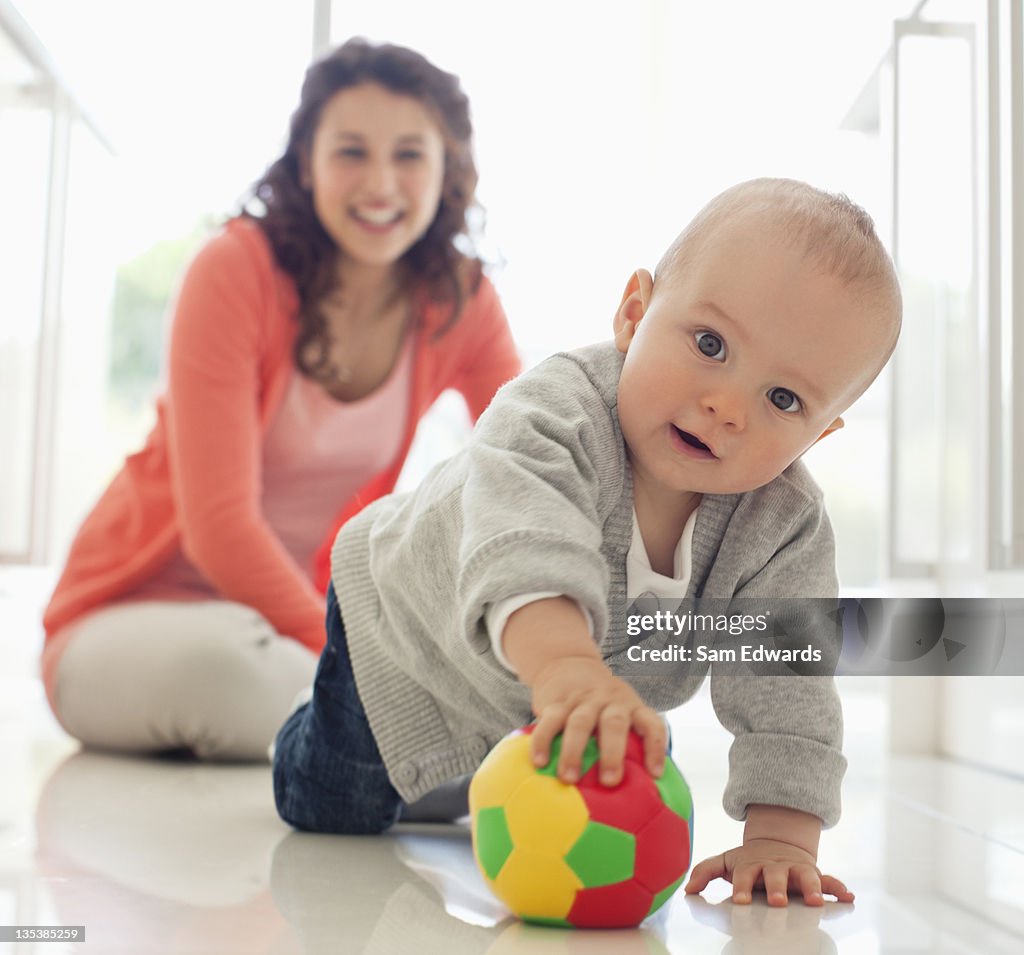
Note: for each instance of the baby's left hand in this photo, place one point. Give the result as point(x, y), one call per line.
point(777, 867)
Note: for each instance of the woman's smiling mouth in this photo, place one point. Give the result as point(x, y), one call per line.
point(377, 218)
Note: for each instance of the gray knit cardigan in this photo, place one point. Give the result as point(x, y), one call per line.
point(541, 500)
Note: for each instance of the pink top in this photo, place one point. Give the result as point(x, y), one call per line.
point(318, 452)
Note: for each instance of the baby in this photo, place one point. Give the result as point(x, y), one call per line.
point(665, 463)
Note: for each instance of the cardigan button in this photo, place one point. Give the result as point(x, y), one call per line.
point(407, 773)
point(477, 745)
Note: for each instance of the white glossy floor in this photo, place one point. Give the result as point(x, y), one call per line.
point(174, 857)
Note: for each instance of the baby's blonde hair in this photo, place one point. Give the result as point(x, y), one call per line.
point(833, 232)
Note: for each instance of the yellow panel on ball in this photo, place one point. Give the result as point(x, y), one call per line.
point(537, 885)
point(546, 815)
point(505, 767)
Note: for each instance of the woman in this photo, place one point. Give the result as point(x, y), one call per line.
point(309, 337)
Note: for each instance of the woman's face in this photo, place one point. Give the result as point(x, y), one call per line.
point(375, 170)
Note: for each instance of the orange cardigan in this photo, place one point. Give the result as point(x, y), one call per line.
point(196, 482)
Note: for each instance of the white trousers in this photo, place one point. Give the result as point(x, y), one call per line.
point(213, 677)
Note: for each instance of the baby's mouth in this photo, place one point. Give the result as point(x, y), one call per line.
point(694, 442)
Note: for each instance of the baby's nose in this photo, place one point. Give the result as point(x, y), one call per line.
point(728, 408)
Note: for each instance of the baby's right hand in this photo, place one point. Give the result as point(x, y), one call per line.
point(580, 697)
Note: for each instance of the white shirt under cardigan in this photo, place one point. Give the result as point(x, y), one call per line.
point(642, 580)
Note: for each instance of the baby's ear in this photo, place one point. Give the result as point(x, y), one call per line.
point(632, 308)
point(835, 426)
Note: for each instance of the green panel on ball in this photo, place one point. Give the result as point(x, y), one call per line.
point(493, 842)
point(590, 756)
point(550, 923)
point(664, 895)
point(602, 855)
point(674, 791)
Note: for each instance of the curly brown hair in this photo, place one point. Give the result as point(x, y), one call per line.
point(301, 245)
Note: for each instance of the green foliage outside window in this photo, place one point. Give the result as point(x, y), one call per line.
point(143, 290)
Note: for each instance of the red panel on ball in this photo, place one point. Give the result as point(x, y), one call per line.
point(662, 850)
point(621, 905)
point(630, 805)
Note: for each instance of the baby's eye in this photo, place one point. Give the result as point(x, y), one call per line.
point(784, 400)
point(410, 155)
point(351, 152)
point(710, 345)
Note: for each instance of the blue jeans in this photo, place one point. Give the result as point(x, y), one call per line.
point(328, 772)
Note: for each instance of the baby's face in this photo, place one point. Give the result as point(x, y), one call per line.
point(741, 360)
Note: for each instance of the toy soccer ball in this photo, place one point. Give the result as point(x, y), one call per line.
point(582, 855)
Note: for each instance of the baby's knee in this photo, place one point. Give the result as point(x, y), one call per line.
point(303, 804)
point(312, 795)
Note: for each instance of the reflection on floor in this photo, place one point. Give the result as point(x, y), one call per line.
point(162, 856)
